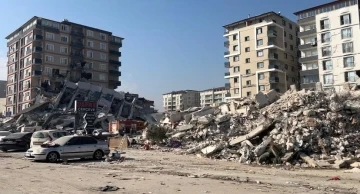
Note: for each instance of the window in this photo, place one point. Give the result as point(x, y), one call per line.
point(347, 47)
point(236, 69)
point(90, 43)
point(291, 47)
point(89, 33)
point(283, 23)
point(285, 44)
point(327, 65)
point(89, 65)
point(328, 79)
point(63, 61)
point(261, 76)
point(349, 61)
point(260, 65)
point(247, 49)
point(103, 67)
point(259, 42)
point(248, 82)
point(235, 36)
point(260, 53)
point(235, 47)
point(310, 66)
point(292, 58)
point(346, 33)
point(102, 77)
point(64, 27)
point(248, 71)
point(350, 76)
point(102, 46)
point(50, 47)
point(64, 38)
point(49, 58)
point(50, 36)
point(236, 58)
point(284, 34)
point(248, 94)
point(247, 38)
point(262, 88)
point(326, 51)
point(285, 55)
point(286, 66)
point(90, 54)
point(236, 80)
point(247, 60)
point(345, 19)
point(258, 30)
point(236, 91)
point(64, 50)
point(290, 36)
point(102, 56)
point(325, 37)
point(324, 24)
point(290, 26)
point(292, 68)
point(102, 36)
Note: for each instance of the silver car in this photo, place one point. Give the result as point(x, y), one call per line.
point(69, 147)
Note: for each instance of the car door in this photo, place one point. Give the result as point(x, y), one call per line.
point(89, 145)
point(73, 148)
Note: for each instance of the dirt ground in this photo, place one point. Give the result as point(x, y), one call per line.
point(155, 172)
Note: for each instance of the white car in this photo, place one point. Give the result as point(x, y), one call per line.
point(4, 134)
point(46, 136)
point(69, 147)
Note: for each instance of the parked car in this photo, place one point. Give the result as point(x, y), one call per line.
point(69, 147)
point(4, 134)
point(46, 136)
point(16, 141)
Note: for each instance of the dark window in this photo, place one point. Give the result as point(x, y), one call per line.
point(88, 140)
point(74, 141)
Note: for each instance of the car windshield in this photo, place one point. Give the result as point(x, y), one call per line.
point(4, 133)
point(40, 134)
point(16, 135)
point(62, 140)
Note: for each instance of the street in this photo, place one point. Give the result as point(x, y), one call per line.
point(163, 172)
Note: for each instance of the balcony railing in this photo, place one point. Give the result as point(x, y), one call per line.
point(274, 79)
point(227, 85)
point(116, 43)
point(38, 37)
point(115, 62)
point(226, 43)
point(326, 53)
point(227, 64)
point(77, 33)
point(272, 33)
point(227, 74)
point(114, 52)
point(273, 56)
point(114, 72)
point(77, 43)
point(226, 53)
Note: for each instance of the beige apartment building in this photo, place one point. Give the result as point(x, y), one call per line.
point(213, 96)
point(42, 50)
point(262, 54)
point(329, 52)
point(181, 100)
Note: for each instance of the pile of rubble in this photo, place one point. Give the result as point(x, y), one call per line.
point(55, 110)
point(307, 128)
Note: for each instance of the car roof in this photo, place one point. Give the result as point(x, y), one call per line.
point(51, 131)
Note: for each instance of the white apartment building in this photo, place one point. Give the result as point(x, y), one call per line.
point(328, 35)
point(213, 96)
point(181, 100)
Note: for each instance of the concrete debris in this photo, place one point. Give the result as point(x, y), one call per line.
point(55, 110)
point(303, 128)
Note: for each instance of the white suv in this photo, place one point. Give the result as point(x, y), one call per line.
point(40, 137)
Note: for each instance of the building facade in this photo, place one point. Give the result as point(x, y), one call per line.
point(2, 98)
point(329, 53)
point(42, 50)
point(262, 54)
point(181, 100)
point(213, 96)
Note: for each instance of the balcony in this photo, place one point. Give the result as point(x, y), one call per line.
point(274, 79)
point(228, 95)
point(272, 33)
point(77, 43)
point(307, 32)
point(308, 46)
point(227, 74)
point(114, 52)
point(309, 72)
point(38, 37)
point(273, 66)
point(308, 59)
point(114, 82)
point(308, 85)
point(116, 43)
point(77, 33)
point(77, 55)
point(226, 44)
point(115, 62)
point(37, 49)
point(306, 20)
point(227, 64)
point(227, 85)
point(114, 72)
point(273, 56)
point(326, 53)
point(226, 53)
point(51, 28)
point(37, 61)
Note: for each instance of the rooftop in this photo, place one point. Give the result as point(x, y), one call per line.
point(318, 6)
point(251, 18)
point(215, 89)
point(181, 92)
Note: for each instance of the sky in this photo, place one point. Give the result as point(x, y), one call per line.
point(169, 44)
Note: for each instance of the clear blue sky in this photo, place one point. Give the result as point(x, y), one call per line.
point(169, 44)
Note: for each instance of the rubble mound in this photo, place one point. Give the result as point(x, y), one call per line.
point(308, 128)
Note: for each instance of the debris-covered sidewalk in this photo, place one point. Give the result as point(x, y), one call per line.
point(302, 128)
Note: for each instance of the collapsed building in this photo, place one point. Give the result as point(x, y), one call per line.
point(307, 128)
point(55, 108)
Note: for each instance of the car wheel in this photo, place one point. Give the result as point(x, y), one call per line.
point(52, 157)
point(98, 155)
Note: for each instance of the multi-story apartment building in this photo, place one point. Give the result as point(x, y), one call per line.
point(213, 96)
point(41, 50)
point(328, 35)
point(181, 100)
point(262, 54)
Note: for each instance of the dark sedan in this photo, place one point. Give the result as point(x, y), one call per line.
point(16, 141)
